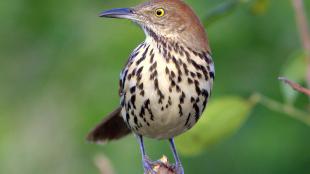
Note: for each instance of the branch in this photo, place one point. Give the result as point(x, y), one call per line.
point(104, 165)
point(163, 167)
point(302, 25)
point(282, 108)
point(221, 11)
point(295, 86)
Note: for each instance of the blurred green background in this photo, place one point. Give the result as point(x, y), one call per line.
point(59, 69)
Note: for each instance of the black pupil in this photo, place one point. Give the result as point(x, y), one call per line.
point(159, 12)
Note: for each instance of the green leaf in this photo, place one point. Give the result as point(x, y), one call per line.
point(259, 7)
point(295, 70)
point(222, 117)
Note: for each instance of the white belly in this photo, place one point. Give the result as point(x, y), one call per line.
point(160, 99)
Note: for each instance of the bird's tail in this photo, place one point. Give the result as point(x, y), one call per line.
point(112, 127)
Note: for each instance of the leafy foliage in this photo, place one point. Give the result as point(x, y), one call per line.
point(259, 6)
point(224, 116)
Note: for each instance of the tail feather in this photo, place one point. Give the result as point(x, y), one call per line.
point(112, 127)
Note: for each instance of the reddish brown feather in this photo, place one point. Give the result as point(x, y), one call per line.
point(195, 34)
point(112, 127)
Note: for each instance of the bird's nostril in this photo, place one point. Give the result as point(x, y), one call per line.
point(131, 11)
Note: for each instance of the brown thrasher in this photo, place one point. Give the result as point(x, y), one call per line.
point(167, 80)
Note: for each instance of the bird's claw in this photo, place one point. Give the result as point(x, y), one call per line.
point(178, 169)
point(148, 166)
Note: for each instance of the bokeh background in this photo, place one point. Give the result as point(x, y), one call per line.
point(59, 69)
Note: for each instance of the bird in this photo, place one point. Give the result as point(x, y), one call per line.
point(167, 81)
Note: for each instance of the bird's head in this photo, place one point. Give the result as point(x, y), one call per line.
point(171, 19)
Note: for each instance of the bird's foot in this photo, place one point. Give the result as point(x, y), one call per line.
point(161, 166)
point(178, 168)
point(148, 166)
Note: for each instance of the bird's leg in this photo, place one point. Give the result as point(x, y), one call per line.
point(147, 163)
point(178, 165)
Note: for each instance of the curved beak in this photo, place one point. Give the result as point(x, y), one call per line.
point(124, 13)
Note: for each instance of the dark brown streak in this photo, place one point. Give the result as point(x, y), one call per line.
point(133, 101)
point(195, 106)
point(187, 120)
point(143, 55)
point(147, 106)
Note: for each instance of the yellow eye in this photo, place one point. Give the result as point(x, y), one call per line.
point(159, 12)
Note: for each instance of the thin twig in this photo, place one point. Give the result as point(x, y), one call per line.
point(302, 25)
point(162, 166)
point(295, 86)
point(104, 165)
point(283, 108)
point(220, 11)
point(223, 10)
